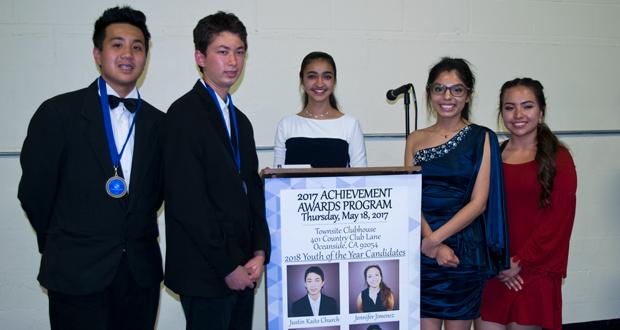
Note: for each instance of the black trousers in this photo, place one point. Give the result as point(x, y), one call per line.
point(233, 312)
point(123, 305)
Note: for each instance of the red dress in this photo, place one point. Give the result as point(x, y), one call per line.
point(539, 238)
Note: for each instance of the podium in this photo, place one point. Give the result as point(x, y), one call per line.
point(333, 230)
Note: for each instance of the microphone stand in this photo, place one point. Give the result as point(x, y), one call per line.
point(407, 101)
point(415, 109)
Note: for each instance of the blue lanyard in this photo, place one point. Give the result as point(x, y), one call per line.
point(233, 124)
point(105, 107)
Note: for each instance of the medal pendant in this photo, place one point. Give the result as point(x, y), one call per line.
point(116, 186)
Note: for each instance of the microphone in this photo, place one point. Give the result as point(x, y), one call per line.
point(392, 94)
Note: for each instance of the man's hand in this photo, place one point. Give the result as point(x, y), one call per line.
point(255, 267)
point(239, 279)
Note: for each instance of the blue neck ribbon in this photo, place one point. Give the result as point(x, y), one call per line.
point(105, 107)
point(233, 124)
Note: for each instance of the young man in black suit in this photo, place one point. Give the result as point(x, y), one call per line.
point(217, 239)
point(95, 211)
point(315, 303)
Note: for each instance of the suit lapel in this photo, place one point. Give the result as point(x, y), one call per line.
point(94, 132)
point(143, 140)
point(215, 119)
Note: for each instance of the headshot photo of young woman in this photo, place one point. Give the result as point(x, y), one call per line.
point(373, 286)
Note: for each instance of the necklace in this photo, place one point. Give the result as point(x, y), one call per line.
point(319, 116)
point(449, 133)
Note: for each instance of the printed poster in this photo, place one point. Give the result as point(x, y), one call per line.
point(345, 252)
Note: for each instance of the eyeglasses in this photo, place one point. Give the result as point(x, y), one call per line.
point(456, 90)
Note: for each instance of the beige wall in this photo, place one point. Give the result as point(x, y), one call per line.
point(571, 46)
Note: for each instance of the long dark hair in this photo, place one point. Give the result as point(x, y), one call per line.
point(384, 291)
point(461, 67)
point(547, 144)
point(311, 58)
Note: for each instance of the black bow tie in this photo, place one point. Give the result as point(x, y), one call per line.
point(130, 104)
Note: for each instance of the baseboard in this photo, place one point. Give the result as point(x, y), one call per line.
point(613, 324)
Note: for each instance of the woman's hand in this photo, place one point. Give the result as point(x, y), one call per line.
point(510, 277)
point(512, 283)
point(514, 269)
point(446, 257)
point(429, 246)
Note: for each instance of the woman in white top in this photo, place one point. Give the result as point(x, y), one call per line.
point(319, 135)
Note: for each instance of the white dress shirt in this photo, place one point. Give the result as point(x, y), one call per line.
point(121, 120)
point(315, 304)
point(224, 106)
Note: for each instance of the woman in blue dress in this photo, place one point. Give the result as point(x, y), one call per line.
point(464, 241)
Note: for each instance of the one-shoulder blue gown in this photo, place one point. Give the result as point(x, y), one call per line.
point(449, 172)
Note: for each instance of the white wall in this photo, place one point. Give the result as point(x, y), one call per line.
point(572, 46)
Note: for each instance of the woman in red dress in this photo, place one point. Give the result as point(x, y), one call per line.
point(540, 184)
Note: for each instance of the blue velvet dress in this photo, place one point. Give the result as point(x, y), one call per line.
point(449, 172)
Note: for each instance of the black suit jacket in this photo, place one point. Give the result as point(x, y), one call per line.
point(302, 307)
point(212, 225)
point(82, 232)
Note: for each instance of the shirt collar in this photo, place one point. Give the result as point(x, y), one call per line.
point(132, 95)
point(223, 104)
point(119, 110)
point(315, 304)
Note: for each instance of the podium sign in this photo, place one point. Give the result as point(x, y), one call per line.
point(342, 233)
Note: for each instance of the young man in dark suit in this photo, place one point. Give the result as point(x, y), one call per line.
point(217, 239)
point(314, 303)
point(95, 211)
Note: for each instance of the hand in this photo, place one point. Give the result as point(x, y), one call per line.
point(513, 283)
point(510, 277)
point(429, 246)
point(514, 270)
point(239, 279)
point(446, 257)
point(255, 267)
